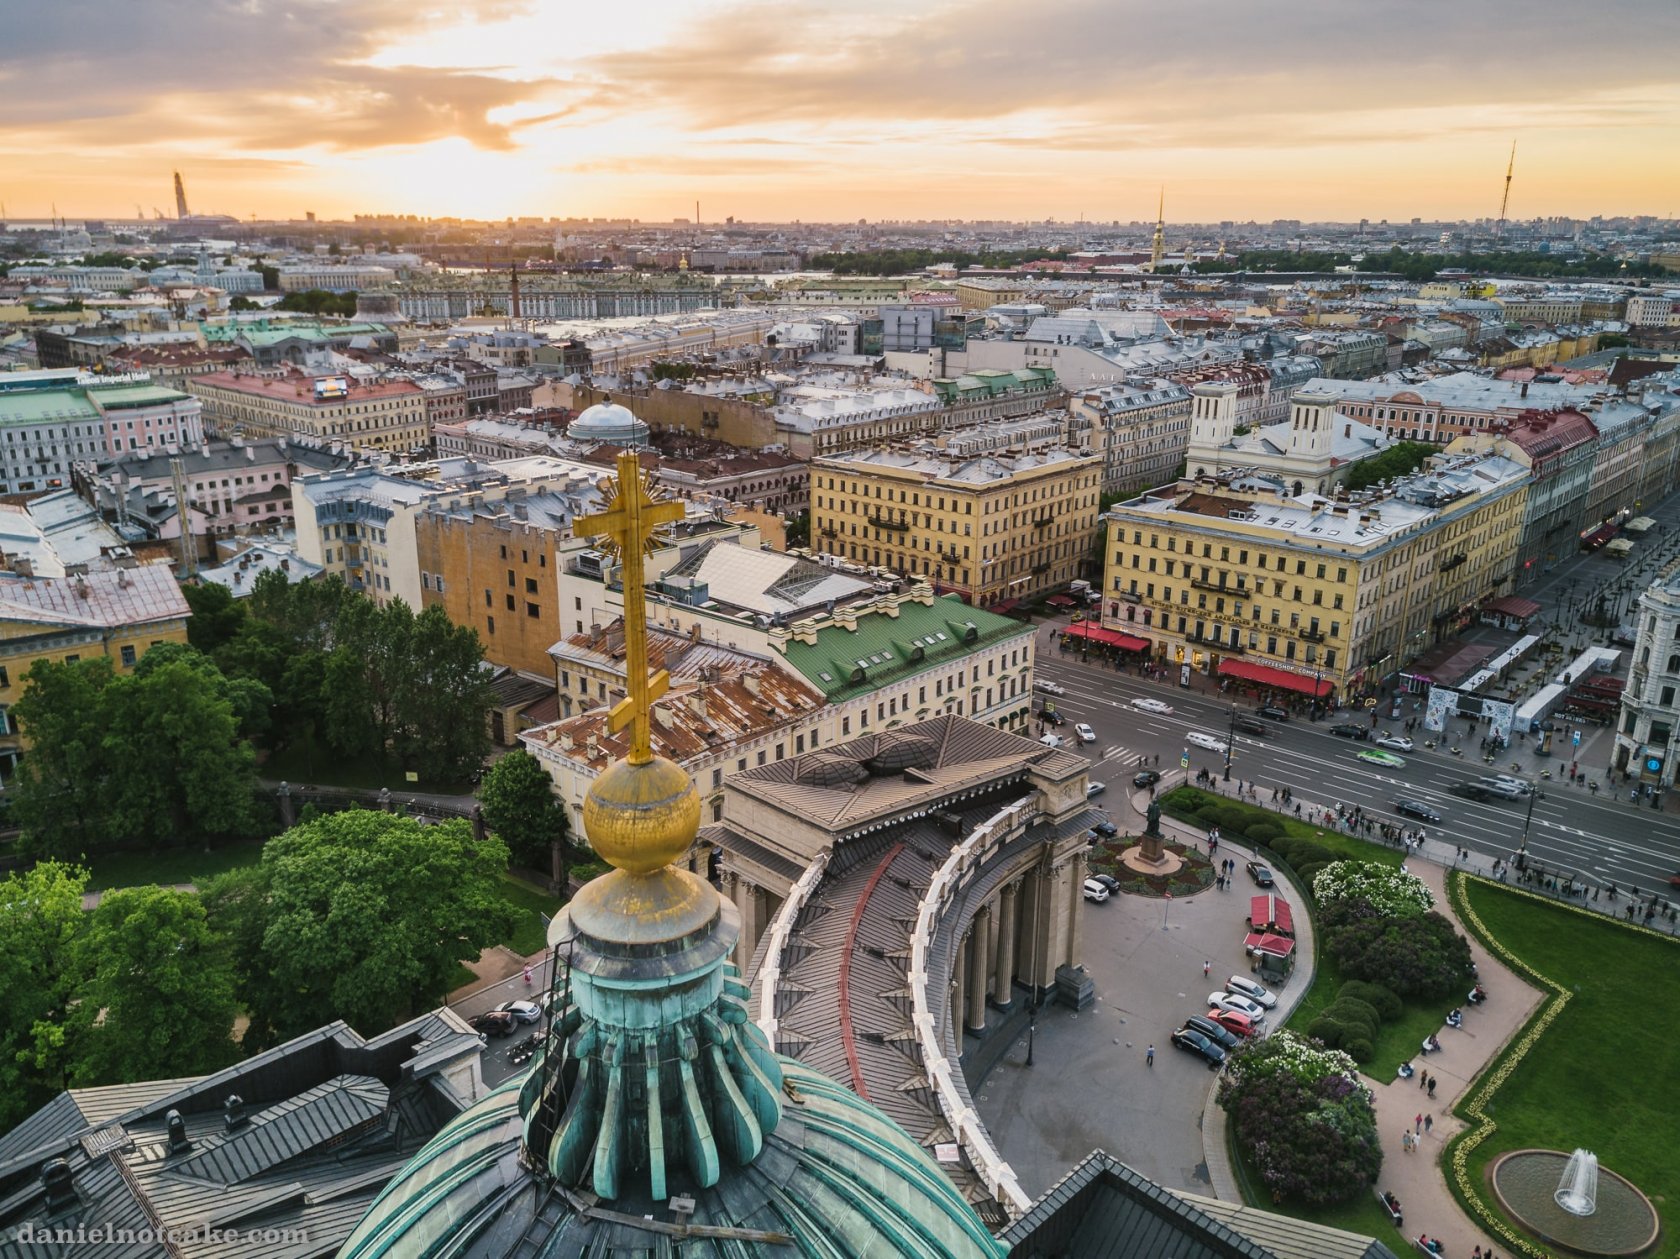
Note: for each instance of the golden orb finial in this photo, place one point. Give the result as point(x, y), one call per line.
point(643, 817)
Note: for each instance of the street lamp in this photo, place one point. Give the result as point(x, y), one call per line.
point(1230, 741)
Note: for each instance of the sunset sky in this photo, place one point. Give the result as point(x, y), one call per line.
point(1307, 109)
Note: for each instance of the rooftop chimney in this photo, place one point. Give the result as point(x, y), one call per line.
point(59, 1186)
point(233, 1112)
point(179, 1142)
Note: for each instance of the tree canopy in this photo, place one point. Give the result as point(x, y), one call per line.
point(317, 301)
point(519, 805)
point(361, 916)
point(40, 919)
point(1425, 266)
point(1398, 460)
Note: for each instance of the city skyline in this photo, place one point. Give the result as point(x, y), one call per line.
point(1080, 111)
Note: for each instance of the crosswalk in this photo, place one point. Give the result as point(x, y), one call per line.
point(1124, 757)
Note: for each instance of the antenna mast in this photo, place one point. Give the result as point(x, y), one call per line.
point(1505, 201)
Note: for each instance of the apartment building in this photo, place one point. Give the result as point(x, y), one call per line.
point(374, 415)
point(1649, 720)
point(335, 278)
point(49, 420)
point(1142, 428)
point(1451, 406)
point(995, 528)
point(1233, 575)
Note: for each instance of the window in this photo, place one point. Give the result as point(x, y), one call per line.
point(510, 604)
point(530, 585)
point(127, 658)
point(510, 576)
point(531, 610)
point(5, 678)
point(490, 625)
point(487, 602)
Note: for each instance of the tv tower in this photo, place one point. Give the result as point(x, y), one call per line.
point(180, 198)
point(1505, 201)
point(1158, 245)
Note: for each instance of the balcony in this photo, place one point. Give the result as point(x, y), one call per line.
point(883, 522)
point(1044, 522)
point(1312, 635)
point(1452, 562)
point(1219, 588)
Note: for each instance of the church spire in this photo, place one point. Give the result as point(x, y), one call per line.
point(1158, 244)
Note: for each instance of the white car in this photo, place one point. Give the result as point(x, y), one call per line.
point(1242, 1005)
point(1044, 687)
point(1208, 741)
point(1245, 987)
point(1152, 705)
point(1052, 740)
point(524, 1011)
point(1085, 733)
point(1395, 743)
point(1095, 891)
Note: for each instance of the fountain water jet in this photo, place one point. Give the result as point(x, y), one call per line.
point(1577, 1191)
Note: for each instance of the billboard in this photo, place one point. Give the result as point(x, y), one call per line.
point(332, 387)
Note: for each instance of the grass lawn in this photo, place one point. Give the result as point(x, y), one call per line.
point(173, 865)
point(528, 936)
point(1174, 802)
point(311, 762)
point(1603, 1075)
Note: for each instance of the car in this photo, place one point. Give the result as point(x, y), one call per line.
point(1223, 1037)
point(1233, 1021)
point(1108, 881)
point(1395, 743)
point(524, 1011)
point(1046, 687)
point(495, 1023)
point(1252, 725)
point(1095, 891)
point(1242, 1005)
point(1188, 1038)
point(1271, 712)
point(1084, 733)
point(1212, 743)
point(1107, 830)
point(1260, 873)
point(1416, 809)
point(1152, 706)
point(1051, 716)
point(1093, 790)
point(1257, 993)
point(1375, 756)
point(1523, 786)
point(1471, 791)
point(1146, 778)
point(1504, 788)
point(1052, 740)
point(1349, 730)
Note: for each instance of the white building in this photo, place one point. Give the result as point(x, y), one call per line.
point(50, 420)
point(1650, 715)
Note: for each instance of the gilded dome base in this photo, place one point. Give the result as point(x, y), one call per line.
point(625, 911)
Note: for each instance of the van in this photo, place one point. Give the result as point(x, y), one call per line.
point(1252, 725)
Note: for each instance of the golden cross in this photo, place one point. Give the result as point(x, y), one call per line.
point(629, 521)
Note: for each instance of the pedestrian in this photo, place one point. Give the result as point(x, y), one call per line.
point(1432, 1082)
point(1419, 1121)
point(1207, 967)
point(527, 976)
point(1149, 1056)
point(1423, 1079)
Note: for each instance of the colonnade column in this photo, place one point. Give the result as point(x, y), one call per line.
point(978, 956)
point(1003, 975)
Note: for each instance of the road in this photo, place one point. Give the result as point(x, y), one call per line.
point(1597, 839)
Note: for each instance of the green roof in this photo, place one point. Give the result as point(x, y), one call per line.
point(136, 396)
point(264, 332)
point(844, 663)
point(46, 406)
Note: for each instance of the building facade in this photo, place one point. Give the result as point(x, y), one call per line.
point(1649, 719)
point(49, 421)
point(384, 415)
point(995, 528)
point(1142, 427)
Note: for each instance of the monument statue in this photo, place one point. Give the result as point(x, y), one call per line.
point(1152, 825)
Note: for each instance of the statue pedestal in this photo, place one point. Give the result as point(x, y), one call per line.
point(1149, 857)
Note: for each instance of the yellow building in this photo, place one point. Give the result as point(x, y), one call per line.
point(387, 415)
point(1230, 575)
point(992, 527)
point(116, 614)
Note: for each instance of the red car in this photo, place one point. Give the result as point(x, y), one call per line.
point(1233, 1021)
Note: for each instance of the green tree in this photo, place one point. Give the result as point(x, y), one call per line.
point(217, 616)
point(242, 303)
point(361, 916)
point(520, 806)
point(40, 919)
point(155, 996)
point(57, 792)
point(799, 529)
point(1398, 460)
point(250, 698)
point(443, 696)
point(270, 275)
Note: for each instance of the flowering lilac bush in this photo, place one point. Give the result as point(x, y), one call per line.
point(1303, 1118)
point(1394, 894)
point(1417, 956)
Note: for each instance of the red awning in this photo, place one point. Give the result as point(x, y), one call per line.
point(1267, 675)
point(1271, 913)
point(1265, 942)
point(1059, 601)
point(1114, 638)
point(1598, 536)
point(1513, 605)
point(1283, 918)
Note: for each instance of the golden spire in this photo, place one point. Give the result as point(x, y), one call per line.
point(629, 520)
point(1158, 244)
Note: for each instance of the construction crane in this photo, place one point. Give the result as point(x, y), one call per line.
point(1505, 201)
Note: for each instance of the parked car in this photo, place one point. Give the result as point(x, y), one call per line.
point(1046, 687)
point(1241, 1004)
point(1093, 790)
point(1234, 1021)
point(1052, 740)
point(1052, 717)
point(1350, 730)
point(1395, 743)
point(1252, 725)
point(524, 1011)
point(1108, 881)
point(1260, 873)
point(1271, 712)
point(1108, 830)
point(1257, 993)
point(1152, 706)
point(495, 1023)
point(1213, 743)
point(1146, 778)
point(1223, 1037)
point(1095, 891)
point(1189, 1039)
point(1084, 733)
point(1416, 809)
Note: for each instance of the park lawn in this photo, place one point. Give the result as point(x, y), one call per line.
point(1397, 1041)
point(172, 865)
point(1346, 846)
point(1603, 1074)
point(528, 935)
point(309, 762)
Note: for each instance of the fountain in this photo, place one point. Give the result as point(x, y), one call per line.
point(1568, 1201)
point(1577, 1191)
